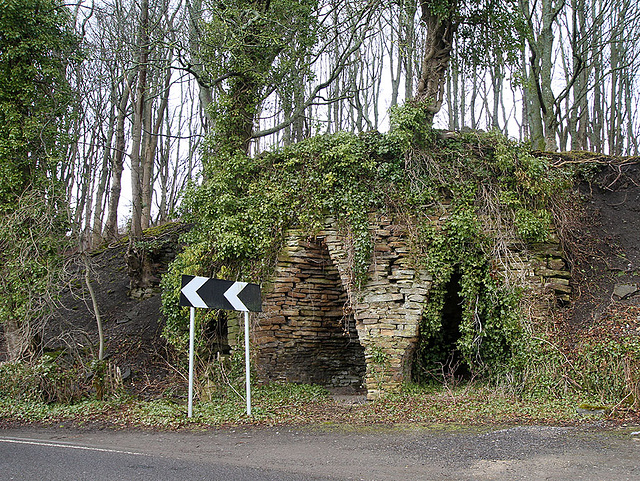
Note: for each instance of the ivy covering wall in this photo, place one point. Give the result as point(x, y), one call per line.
point(496, 194)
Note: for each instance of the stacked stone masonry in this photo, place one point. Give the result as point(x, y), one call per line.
point(306, 332)
point(317, 327)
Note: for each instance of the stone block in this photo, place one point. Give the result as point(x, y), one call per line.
point(543, 271)
point(557, 264)
point(414, 290)
point(559, 287)
point(406, 333)
point(386, 297)
point(400, 277)
point(624, 291)
point(417, 298)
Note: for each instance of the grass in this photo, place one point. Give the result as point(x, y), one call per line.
point(290, 404)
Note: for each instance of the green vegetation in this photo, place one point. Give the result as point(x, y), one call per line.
point(601, 366)
point(45, 381)
point(289, 404)
point(253, 49)
point(490, 194)
point(244, 206)
point(36, 46)
point(498, 197)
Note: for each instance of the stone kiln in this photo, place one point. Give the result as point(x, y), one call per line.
point(317, 328)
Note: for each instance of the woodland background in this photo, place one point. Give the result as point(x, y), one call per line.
point(155, 74)
point(111, 110)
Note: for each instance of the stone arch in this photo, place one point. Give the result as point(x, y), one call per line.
point(440, 355)
point(307, 331)
point(318, 327)
point(388, 307)
point(313, 290)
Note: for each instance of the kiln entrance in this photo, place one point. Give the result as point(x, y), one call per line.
point(438, 356)
point(306, 334)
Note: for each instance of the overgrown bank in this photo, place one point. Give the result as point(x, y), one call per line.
point(245, 205)
point(497, 194)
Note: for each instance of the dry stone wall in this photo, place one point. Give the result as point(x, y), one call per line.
point(306, 332)
point(388, 307)
point(542, 271)
point(316, 326)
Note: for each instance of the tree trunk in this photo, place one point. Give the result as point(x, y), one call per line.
point(140, 102)
point(580, 109)
point(596, 132)
point(409, 52)
point(117, 162)
point(94, 304)
point(194, 9)
point(452, 98)
point(497, 82)
point(15, 340)
point(151, 149)
point(395, 70)
point(435, 62)
point(96, 224)
point(544, 119)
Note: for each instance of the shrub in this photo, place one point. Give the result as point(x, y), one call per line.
point(44, 380)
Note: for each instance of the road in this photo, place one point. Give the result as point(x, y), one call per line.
point(533, 453)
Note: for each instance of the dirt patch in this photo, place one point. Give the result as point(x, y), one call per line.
point(605, 249)
point(132, 327)
point(132, 320)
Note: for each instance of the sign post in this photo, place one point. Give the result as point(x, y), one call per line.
point(208, 293)
point(192, 330)
point(247, 362)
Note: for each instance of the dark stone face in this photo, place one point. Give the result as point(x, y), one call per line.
point(306, 335)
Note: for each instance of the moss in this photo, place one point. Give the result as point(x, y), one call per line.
point(162, 229)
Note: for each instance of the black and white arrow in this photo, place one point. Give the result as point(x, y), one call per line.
point(190, 292)
point(208, 293)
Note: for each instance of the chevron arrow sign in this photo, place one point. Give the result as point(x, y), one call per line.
point(208, 293)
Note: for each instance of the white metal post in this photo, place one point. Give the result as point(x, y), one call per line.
point(192, 329)
point(247, 366)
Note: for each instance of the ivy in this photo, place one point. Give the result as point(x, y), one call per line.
point(493, 192)
point(37, 44)
point(498, 196)
point(243, 207)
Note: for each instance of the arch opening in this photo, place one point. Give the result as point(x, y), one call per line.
point(438, 357)
point(305, 334)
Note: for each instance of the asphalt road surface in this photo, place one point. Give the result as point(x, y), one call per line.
point(535, 453)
